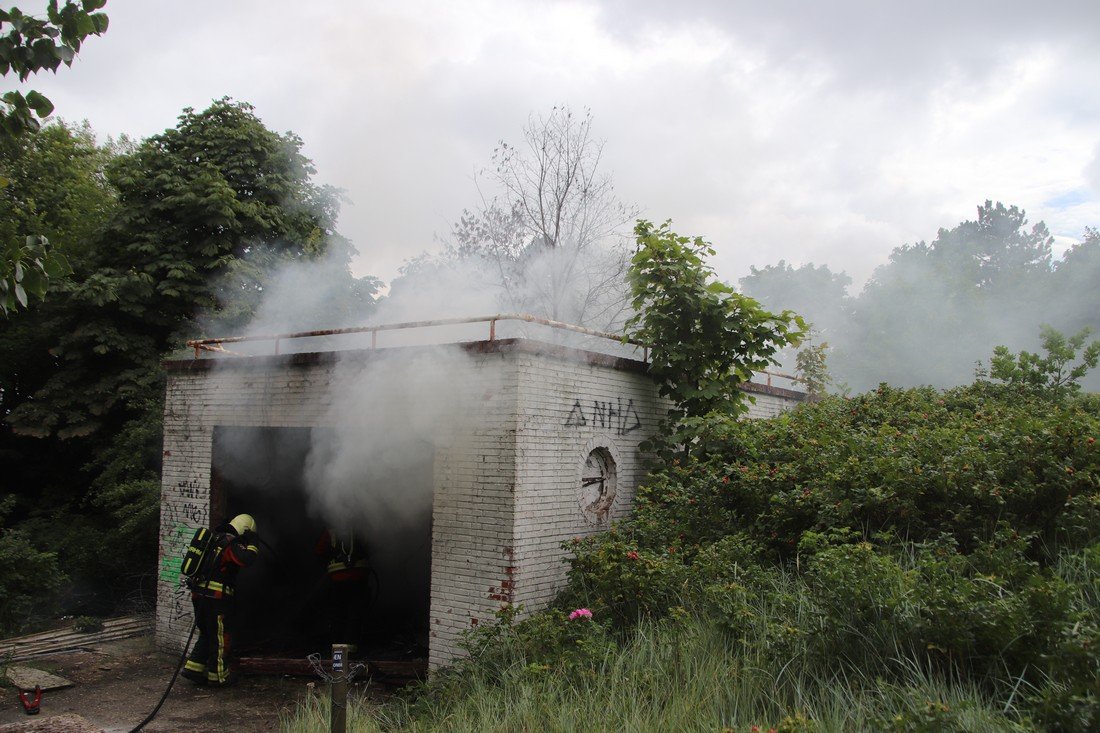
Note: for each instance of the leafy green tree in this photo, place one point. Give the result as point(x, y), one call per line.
point(82, 448)
point(28, 45)
point(1054, 374)
point(815, 292)
point(58, 192)
point(26, 268)
point(54, 203)
point(705, 338)
point(27, 575)
point(1073, 298)
point(190, 201)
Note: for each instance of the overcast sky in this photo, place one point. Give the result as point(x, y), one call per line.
point(824, 132)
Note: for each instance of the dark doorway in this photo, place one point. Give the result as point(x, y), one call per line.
point(285, 600)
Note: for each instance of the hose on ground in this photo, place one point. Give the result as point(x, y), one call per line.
point(179, 666)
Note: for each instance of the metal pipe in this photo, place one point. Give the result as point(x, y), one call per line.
point(201, 343)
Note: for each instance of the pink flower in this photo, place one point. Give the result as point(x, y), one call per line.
point(632, 555)
point(580, 613)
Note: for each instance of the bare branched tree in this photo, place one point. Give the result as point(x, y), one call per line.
point(552, 225)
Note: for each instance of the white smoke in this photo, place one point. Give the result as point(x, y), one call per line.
point(390, 413)
point(368, 468)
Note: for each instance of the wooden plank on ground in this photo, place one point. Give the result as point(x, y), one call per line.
point(67, 640)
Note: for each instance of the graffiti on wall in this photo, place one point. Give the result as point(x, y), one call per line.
point(181, 519)
point(614, 414)
point(191, 489)
point(175, 541)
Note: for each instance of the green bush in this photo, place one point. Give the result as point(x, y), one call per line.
point(29, 578)
point(87, 624)
point(956, 530)
point(913, 464)
point(549, 642)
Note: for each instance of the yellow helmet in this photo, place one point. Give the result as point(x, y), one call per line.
point(243, 523)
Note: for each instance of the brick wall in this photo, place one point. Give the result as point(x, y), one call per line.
point(567, 411)
point(472, 510)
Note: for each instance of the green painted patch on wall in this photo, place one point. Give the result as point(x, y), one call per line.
point(176, 541)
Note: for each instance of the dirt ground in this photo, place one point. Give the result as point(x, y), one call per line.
point(120, 682)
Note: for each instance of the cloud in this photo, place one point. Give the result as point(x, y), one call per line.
point(790, 130)
point(1092, 170)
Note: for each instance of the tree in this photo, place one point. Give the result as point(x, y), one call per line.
point(31, 45)
point(190, 201)
point(705, 338)
point(1073, 296)
point(554, 231)
point(1054, 374)
point(81, 449)
point(1073, 299)
point(58, 192)
point(813, 372)
point(27, 575)
point(55, 200)
point(934, 309)
point(815, 292)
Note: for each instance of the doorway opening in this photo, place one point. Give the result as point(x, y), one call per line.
point(288, 605)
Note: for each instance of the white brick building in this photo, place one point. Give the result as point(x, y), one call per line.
point(546, 450)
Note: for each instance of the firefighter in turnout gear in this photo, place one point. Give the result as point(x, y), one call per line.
point(348, 574)
point(232, 547)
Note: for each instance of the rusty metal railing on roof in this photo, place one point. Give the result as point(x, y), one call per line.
point(217, 345)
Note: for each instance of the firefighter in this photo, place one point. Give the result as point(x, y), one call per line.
point(231, 548)
point(347, 572)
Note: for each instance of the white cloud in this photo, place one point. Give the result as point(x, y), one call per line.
point(1092, 170)
point(824, 132)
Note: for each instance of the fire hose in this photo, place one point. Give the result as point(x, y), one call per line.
point(179, 666)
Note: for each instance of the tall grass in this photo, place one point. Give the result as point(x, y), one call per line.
point(685, 674)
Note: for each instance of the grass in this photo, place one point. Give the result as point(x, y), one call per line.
point(683, 675)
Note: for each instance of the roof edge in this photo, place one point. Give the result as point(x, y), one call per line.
point(496, 346)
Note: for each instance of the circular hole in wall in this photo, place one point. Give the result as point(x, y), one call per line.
point(597, 492)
